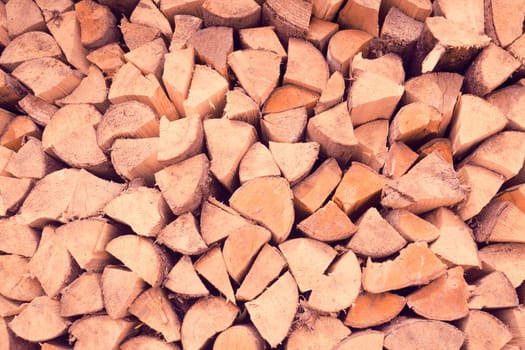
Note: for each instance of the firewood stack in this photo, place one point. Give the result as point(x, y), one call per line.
point(241, 174)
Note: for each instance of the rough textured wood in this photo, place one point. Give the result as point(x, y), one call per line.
point(513, 319)
point(148, 14)
point(340, 54)
point(17, 239)
point(29, 46)
point(262, 38)
point(320, 32)
point(412, 227)
point(398, 160)
point(178, 63)
point(182, 235)
point(183, 279)
point(290, 18)
point(240, 106)
point(389, 65)
point(370, 310)
point(509, 101)
point(120, 287)
point(417, 9)
point(111, 332)
point(372, 138)
point(239, 337)
point(149, 57)
point(109, 58)
point(135, 35)
point(504, 257)
point(327, 224)
point(217, 221)
point(503, 21)
point(320, 332)
point(284, 126)
point(207, 85)
point(185, 27)
point(288, 97)
point(415, 122)
point(332, 93)
point(23, 16)
point(306, 66)
point(493, 291)
point(212, 267)
point(359, 14)
point(294, 159)
point(37, 109)
point(470, 13)
point(92, 89)
point(366, 340)
point(98, 25)
point(212, 46)
point(136, 158)
point(237, 14)
point(482, 330)
point(18, 284)
point(82, 296)
point(144, 342)
point(257, 162)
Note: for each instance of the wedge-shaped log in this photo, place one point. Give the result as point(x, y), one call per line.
point(306, 66)
point(372, 140)
point(295, 160)
point(389, 65)
point(288, 97)
point(398, 160)
point(513, 319)
point(149, 57)
point(369, 310)
point(182, 235)
point(183, 279)
point(135, 34)
point(136, 158)
point(23, 16)
point(240, 106)
point(98, 25)
point(39, 110)
point(500, 221)
point(217, 221)
point(332, 94)
point(212, 267)
point(328, 224)
point(236, 14)
point(147, 13)
point(10, 340)
point(29, 46)
point(414, 122)
point(215, 55)
point(510, 100)
point(120, 287)
point(109, 58)
point(504, 257)
point(185, 27)
point(290, 18)
point(207, 94)
point(493, 291)
point(412, 227)
point(320, 32)
point(342, 48)
point(483, 330)
point(12, 193)
point(92, 89)
point(143, 342)
point(17, 283)
point(82, 296)
point(18, 239)
point(285, 126)
point(470, 13)
point(321, 332)
point(262, 38)
point(179, 139)
point(242, 336)
point(110, 332)
point(15, 132)
point(177, 74)
point(363, 15)
point(257, 162)
point(365, 340)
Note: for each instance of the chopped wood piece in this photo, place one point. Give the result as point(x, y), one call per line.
point(504, 257)
point(493, 291)
point(422, 334)
point(237, 14)
point(149, 57)
point(154, 309)
point(120, 287)
point(285, 126)
point(134, 251)
point(328, 224)
point(372, 138)
point(389, 65)
point(415, 265)
point(136, 158)
point(467, 12)
point(82, 296)
point(513, 319)
point(129, 84)
point(257, 162)
point(148, 14)
point(133, 205)
point(37, 109)
point(290, 18)
point(365, 106)
point(92, 89)
point(320, 32)
point(364, 340)
point(135, 35)
point(47, 77)
point(207, 95)
point(266, 268)
point(510, 101)
point(332, 93)
point(417, 9)
point(180, 139)
point(483, 185)
point(481, 77)
point(415, 122)
point(12, 193)
point(212, 267)
point(318, 332)
point(361, 186)
point(17, 282)
point(326, 9)
point(29, 46)
point(239, 106)
point(375, 237)
point(40, 320)
point(503, 21)
point(145, 342)
point(23, 16)
point(269, 202)
point(217, 221)
point(239, 337)
point(58, 6)
point(52, 264)
point(484, 331)
point(18, 239)
point(110, 333)
point(182, 235)
point(17, 130)
point(9, 308)
point(204, 319)
point(258, 72)
point(262, 38)
point(272, 313)
point(441, 146)
point(183, 279)
point(86, 241)
point(186, 184)
point(306, 66)
point(493, 153)
point(185, 27)
point(450, 289)
point(430, 184)
point(445, 44)
point(515, 195)
point(343, 46)
point(398, 160)
point(174, 7)
point(295, 159)
point(369, 310)
point(412, 227)
point(177, 75)
point(98, 25)
point(361, 14)
point(455, 244)
point(241, 248)
point(214, 55)
point(500, 221)
point(333, 130)
point(288, 97)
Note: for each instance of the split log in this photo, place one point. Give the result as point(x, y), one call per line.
point(266, 268)
point(110, 332)
point(398, 160)
point(204, 319)
point(262, 38)
point(484, 331)
point(360, 187)
point(17, 130)
point(332, 94)
point(92, 89)
point(237, 14)
point(144, 342)
point(212, 267)
point(369, 310)
point(185, 27)
point(182, 235)
point(417, 9)
point(362, 15)
point(82, 296)
point(23, 16)
point(326, 9)
point(98, 25)
point(149, 57)
point(154, 309)
point(284, 126)
point(48, 78)
point(135, 35)
point(183, 280)
point(272, 313)
point(513, 319)
point(18, 284)
point(372, 138)
point(467, 12)
point(39, 110)
point(328, 224)
point(515, 195)
point(503, 21)
point(173, 7)
point(441, 146)
point(86, 241)
point(312, 192)
point(257, 162)
point(148, 14)
point(258, 72)
point(504, 257)
point(290, 18)
point(288, 97)
point(11, 341)
point(28, 46)
point(306, 66)
point(207, 95)
point(422, 334)
point(493, 291)
point(389, 65)
point(177, 74)
point(134, 250)
point(239, 337)
point(412, 227)
point(217, 221)
point(510, 101)
point(499, 221)
point(320, 32)
point(375, 237)
point(295, 159)
point(365, 340)
point(136, 158)
point(415, 265)
point(12, 193)
point(342, 48)
point(18, 239)
point(40, 320)
point(120, 287)
point(318, 332)
point(240, 106)
point(476, 79)
point(415, 122)
point(215, 55)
